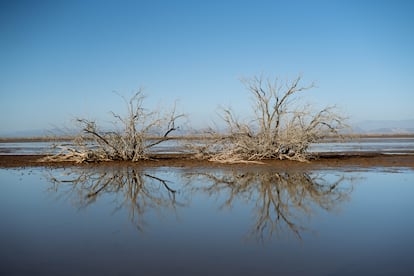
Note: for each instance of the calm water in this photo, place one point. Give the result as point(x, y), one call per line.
point(388, 145)
point(131, 221)
point(385, 145)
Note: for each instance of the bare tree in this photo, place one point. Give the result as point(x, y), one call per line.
point(282, 127)
point(132, 141)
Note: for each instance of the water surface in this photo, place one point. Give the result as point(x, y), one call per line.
point(388, 145)
point(129, 221)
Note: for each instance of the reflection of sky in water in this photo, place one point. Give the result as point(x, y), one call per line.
point(47, 228)
point(390, 145)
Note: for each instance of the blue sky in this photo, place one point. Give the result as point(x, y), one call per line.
point(64, 59)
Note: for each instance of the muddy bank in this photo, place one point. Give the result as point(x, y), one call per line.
point(324, 161)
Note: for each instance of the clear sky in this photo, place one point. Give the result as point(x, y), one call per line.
point(64, 59)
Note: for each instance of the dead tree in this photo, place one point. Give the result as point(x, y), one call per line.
point(282, 127)
point(130, 142)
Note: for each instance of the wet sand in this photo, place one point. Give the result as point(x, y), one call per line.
point(324, 161)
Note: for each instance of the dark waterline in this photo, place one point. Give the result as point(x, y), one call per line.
point(129, 221)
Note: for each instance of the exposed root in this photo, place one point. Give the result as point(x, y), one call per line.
point(234, 161)
point(68, 154)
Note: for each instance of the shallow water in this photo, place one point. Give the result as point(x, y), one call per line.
point(129, 221)
point(390, 145)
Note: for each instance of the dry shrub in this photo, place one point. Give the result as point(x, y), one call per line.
point(132, 141)
point(282, 127)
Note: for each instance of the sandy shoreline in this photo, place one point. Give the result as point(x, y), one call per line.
point(325, 161)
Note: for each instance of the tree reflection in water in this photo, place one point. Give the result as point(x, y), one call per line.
point(132, 188)
point(281, 199)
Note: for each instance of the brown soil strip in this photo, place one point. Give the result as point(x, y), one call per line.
point(325, 161)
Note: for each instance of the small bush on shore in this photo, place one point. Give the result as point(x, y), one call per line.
point(282, 127)
point(130, 142)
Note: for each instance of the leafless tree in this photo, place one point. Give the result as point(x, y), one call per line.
point(132, 141)
point(282, 128)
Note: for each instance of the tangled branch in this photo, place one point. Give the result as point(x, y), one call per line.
point(282, 128)
point(132, 142)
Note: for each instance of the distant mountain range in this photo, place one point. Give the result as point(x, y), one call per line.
point(363, 127)
point(384, 127)
point(33, 133)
